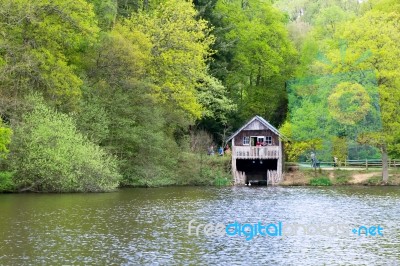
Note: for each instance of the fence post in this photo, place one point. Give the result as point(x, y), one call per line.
point(366, 164)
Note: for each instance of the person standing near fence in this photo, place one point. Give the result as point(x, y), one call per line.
point(313, 163)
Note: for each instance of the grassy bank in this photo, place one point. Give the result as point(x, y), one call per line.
point(307, 177)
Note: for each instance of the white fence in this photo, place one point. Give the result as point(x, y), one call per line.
point(259, 152)
point(362, 164)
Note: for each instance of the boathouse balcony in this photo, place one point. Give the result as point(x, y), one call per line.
point(255, 152)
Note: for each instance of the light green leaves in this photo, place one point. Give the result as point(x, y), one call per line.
point(49, 154)
point(40, 45)
point(180, 50)
point(349, 103)
point(5, 139)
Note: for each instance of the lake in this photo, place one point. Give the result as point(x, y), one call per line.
point(316, 226)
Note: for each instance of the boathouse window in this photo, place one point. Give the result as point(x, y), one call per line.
point(268, 140)
point(246, 140)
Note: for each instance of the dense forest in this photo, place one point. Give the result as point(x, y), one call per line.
point(96, 94)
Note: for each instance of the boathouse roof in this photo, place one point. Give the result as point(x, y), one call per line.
point(260, 120)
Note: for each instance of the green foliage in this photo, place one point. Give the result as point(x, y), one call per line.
point(6, 182)
point(368, 40)
point(329, 18)
point(387, 6)
point(147, 85)
point(180, 48)
point(294, 149)
point(131, 123)
point(205, 170)
point(340, 148)
point(40, 46)
point(221, 181)
point(5, 139)
point(361, 36)
point(50, 155)
point(342, 180)
point(320, 181)
point(366, 51)
point(93, 120)
point(342, 177)
point(212, 96)
point(135, 77)
point(106, 11)
point(127, 7)
point(261, 60)
point(310, 10)
point(349, 103)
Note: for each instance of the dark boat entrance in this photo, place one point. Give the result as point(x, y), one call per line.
point(258, 172)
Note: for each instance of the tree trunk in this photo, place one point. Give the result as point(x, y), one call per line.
point(385, 168)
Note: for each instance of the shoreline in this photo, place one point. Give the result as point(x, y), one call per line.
point(296, 178)
point(342, 177)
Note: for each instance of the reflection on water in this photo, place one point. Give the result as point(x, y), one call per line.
point(150, 226)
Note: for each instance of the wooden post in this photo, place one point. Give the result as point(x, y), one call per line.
point(366, 164)
point(234, 171)
point(279, 170)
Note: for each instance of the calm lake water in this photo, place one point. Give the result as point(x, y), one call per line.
point(150, 226)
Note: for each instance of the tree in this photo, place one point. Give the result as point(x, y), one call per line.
point(309, 10)
point(135, 127)
point(377, 32)
point(50, 155)
point(294, 149)
point(127, 7)
point(106, 11)
point(261, 57)
point(40, 46)
point(180, 50)
point(217, 107)
point(340, 148)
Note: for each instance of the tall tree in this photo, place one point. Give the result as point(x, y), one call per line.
point(40, 47)
point(181, 46)
point(262, 57)
point(377, 32)
point(150, 79)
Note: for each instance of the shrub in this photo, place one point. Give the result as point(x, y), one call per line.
point(320, 181)
point(221, 181)
point(6, 182)
point(49, 154)
point(5, 138)
point(342, 177)
point(203, 170)
point(342, 180)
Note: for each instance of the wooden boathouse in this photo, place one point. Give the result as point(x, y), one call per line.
point(257, 153)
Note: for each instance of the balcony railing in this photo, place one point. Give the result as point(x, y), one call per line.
point(258, 152)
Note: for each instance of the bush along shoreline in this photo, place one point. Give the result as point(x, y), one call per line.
point(211, 171)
